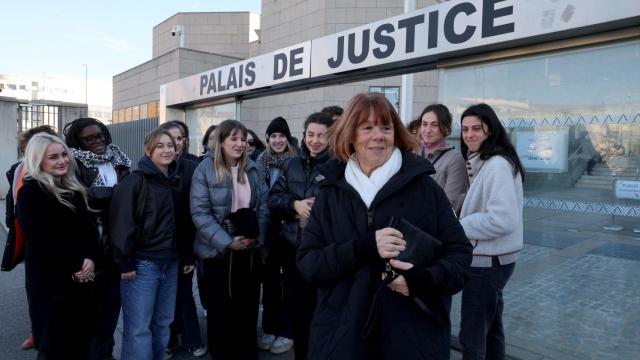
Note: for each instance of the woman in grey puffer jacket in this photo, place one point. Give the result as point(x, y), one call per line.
point(224, 183)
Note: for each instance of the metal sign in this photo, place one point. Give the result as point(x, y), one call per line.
point(627, 189)
point(424, 36)
point(285, 65)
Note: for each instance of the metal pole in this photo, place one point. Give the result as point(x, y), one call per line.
point(406, 91)
point(86, 85)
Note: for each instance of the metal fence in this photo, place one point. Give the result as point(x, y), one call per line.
point(129, 136)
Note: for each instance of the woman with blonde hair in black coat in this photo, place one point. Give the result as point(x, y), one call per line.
point(61, 246)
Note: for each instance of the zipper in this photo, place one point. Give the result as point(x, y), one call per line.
point(230, 267)
point(281, 284)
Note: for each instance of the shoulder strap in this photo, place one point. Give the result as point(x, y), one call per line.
point(439, 156)
point(142, 198)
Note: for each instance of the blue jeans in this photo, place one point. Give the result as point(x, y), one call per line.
point(148, 306)
point(481, 331)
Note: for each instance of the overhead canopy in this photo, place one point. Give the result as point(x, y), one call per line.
point(410, 42)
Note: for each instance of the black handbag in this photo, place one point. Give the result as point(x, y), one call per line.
point(243, 222)
point(421, 247)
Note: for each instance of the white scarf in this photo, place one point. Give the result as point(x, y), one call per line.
point(368, 186)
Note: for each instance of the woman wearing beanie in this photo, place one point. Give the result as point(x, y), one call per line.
point(277, 317)
point(291, 199)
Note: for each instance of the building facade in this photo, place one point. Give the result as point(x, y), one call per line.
point(571, 104)
point(61, 89)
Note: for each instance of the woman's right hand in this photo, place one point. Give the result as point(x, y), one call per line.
point(389, 242)
point(241, 243)
point(303, 207)
point(128, 275)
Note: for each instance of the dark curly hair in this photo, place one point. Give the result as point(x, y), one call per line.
point(73, 129)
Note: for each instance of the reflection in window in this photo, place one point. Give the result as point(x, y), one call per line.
point(392, 93)
point(199, 119)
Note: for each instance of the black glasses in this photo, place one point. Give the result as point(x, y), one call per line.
point(250, 143)
point(92, 138)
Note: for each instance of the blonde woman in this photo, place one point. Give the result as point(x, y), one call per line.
point(61, 245)
point(226, 185)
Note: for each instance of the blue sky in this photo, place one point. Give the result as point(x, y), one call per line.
point(58, 37)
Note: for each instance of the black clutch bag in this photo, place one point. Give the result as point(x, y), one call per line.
point(421, 247)
point(243, 222)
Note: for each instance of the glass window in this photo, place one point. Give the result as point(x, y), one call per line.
point(392, 93)
point(573, 117)
point(199, 120)
point(12, 86)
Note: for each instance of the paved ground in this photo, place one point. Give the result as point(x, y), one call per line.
point(15, 325)
point(575, 293)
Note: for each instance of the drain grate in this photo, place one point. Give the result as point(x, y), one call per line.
point(620, 251)
point(555, 241)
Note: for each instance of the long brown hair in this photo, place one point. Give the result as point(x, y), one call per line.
point(223, 170)
point(343, 133)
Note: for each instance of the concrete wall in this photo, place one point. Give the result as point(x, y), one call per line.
point(141, 84)
point(227, 33)
point(8, 141)
point(9, 132)
point(287, 22)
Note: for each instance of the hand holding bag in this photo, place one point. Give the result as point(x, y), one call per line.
point(421, 247)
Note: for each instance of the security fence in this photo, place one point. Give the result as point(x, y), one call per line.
point(129, 136)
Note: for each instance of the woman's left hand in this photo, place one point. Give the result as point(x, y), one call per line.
point(86, 273)
point(399, 285)
point(187, 269)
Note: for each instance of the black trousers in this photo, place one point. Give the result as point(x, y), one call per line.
point(186, 317)
point(277, 295)
point(232, 285)
point(304, 304)
point(108, 302)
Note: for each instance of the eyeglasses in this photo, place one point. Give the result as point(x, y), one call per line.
point(92, 138)
point(251, 143)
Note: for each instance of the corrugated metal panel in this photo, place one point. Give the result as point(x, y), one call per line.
point(129, 136)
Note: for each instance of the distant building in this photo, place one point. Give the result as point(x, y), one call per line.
point(64, 89)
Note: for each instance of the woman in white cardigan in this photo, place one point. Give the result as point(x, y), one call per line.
point(491, 216)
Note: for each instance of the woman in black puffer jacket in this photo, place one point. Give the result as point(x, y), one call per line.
point(349, 247)
point(292, 198)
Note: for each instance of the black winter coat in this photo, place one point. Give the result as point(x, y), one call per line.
point(338, 254)
point(167, 230)
point(100, 200)
point(298, 181)
point(9, 254)
point(58, 239)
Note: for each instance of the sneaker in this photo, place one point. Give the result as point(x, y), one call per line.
point(168, 354)
point(266, 341)
point(281, 345)
point(27, 344)
point(198, 351)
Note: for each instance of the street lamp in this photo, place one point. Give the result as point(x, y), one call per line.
point(86, 84)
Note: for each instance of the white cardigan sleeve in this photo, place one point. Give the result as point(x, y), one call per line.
point(500, 210)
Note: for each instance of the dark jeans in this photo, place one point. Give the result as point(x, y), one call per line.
point(232, 284)
point(185, 321)
point(481, 331)
point(108, 288)
point(277, 297)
